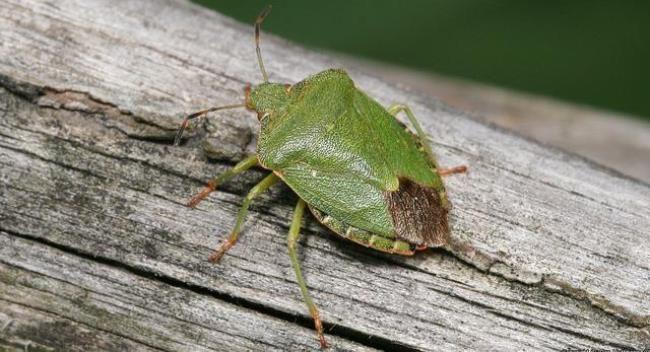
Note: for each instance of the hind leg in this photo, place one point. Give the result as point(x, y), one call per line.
point(292, 239)
point(397, 108)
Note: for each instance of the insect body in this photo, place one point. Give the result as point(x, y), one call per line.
point(358, 169)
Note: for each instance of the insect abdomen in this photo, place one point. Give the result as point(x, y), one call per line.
point(363, 237)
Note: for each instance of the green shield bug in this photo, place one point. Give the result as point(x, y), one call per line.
point(360, 172)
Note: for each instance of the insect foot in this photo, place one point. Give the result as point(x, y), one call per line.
point(220, 251)
point(211, 186)
point(318, 324)
point(452, 170)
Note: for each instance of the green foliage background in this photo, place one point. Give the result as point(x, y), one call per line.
point(587, 51)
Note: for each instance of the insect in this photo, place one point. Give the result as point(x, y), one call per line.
point(360, 171)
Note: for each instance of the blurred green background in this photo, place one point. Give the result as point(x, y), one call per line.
point(590, 52)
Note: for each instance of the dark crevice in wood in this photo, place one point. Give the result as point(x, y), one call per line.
point(78, 322)
point(372, 341)
point(162, 140)
point(31, 93)
point(7, 136)
point(22, 89)
point(102, 153)
point(72, 283)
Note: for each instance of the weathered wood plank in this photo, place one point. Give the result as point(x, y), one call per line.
point(55, 300)
point(354, 288)
point(561, 245)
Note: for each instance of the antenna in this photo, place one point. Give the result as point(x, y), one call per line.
point(258, 25)
point(186, 121)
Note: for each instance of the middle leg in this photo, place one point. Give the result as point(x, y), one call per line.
point(258, 189)
point(292, 239)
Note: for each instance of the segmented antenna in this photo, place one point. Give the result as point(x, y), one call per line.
point(258, 25)
point(186, 121)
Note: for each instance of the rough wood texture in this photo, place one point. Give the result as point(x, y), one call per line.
point(56, 299)
point(99, 253)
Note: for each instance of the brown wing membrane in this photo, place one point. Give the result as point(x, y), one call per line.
point(418, 214)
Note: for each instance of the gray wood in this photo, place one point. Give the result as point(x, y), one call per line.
point(550, 251)
point(52, 299)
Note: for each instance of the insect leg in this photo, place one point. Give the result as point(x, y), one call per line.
point(452, 170)
point(258, 189)
point(242, 166)
point(292, 239)
point(394, 110)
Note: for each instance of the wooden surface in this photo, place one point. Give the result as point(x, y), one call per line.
point(99, 253)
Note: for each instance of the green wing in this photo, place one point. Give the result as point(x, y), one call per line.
point(341, 151)
point(344, 196)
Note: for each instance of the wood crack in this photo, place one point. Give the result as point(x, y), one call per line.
point(377, 342)
point(94, 327)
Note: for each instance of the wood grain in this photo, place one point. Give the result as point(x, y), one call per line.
point(550, 251)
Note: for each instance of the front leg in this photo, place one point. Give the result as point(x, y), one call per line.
point(242, 166)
